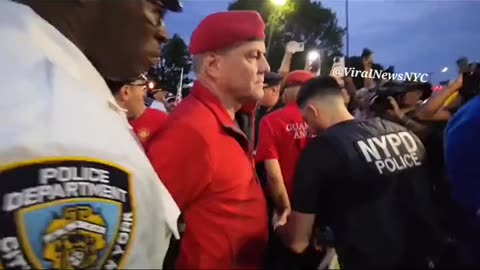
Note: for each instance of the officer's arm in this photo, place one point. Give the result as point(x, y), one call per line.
point(182, 159)
point(462, 156)
point(311, 176)
point(267, 152)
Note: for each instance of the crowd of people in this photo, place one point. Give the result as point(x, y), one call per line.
point(254, 169)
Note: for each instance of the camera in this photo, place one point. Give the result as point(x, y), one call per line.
point(379, 103)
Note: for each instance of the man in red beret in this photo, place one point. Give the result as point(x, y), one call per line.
point(205, 154)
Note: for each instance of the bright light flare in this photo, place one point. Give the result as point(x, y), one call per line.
point(279, 2)
point(445, 69)
point(312, 56)
point(151, 85)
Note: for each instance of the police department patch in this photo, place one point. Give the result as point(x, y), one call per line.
point(65, 214)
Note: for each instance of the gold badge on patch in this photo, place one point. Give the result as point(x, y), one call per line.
point(143, 135)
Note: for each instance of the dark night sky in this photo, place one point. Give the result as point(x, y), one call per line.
point(412, 35)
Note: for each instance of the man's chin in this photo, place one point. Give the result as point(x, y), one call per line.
point(257, 95)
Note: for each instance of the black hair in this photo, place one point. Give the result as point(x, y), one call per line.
point(366, 53)
point(318, 87)
point(114, 86)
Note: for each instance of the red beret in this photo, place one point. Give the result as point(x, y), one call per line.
point(298, 77)
point(223, 29)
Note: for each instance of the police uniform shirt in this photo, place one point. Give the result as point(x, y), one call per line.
point(365, 181)
point(76, 189)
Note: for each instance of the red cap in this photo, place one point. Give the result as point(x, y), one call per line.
point(223, 29)
point(298, 77)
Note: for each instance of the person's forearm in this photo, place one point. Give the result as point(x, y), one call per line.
point(286, 63)
point(419, 129)
point(435, 103)
point(278, 192)
point(368, 82)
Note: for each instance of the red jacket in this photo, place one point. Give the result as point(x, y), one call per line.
point(206, 163)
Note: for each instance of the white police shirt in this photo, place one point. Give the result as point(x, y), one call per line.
point(77, 190)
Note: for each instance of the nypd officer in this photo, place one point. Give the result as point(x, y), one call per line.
point(76, 189)
point(364, 179)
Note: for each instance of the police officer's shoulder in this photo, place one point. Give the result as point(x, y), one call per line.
point(320, 144)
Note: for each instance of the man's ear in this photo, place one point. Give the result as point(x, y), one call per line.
point(124, 93)
point(312, 109)
point(211, 64)
point(346, 96)
point(276, 89)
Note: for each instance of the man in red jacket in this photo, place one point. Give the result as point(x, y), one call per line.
point(146, 122)
point(205, 154)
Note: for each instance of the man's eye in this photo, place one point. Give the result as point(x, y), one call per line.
point(256, 55)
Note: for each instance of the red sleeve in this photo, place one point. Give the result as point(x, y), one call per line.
point(267, 142)
point(181, 157)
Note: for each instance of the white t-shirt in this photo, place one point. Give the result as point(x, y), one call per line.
point(158, 106)
point(72, 174)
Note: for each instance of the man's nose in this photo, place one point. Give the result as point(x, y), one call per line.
point(264, 66)
point(161, 35)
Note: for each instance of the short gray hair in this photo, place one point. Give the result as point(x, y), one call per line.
point(197, 63)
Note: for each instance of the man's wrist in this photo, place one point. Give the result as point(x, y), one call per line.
point(404, 119)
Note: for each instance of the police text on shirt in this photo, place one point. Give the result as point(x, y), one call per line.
point(391, 152)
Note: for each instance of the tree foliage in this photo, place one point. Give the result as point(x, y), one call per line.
point(175, 56)
point(300, 20)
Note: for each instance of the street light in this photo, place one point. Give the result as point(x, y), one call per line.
point(445, 69)
point(278, 3)
point(312, 56)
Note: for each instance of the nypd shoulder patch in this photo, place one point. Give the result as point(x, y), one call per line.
point(66, 213)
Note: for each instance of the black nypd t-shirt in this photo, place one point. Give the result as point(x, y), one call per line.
point(367, 182)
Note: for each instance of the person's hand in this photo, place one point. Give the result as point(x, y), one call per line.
point(458, 83)
point(159, 95)
point(395, 108)
point(368, 62)
point(280, 218)
point(292, 47)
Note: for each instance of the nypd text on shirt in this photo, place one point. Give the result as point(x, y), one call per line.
point(391, 152)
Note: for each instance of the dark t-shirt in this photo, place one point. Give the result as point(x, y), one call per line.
point(374, 221)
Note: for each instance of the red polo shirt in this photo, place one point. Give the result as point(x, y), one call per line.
point(206, 163)
point(282, 136)
point(148, 125)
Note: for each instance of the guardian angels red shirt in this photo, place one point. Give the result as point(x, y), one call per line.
point(207, 165)
point(148, 125)
point(283, 135)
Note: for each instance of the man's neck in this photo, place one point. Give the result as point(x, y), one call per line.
point(230, 105)
point(135, 115)
point(339, 117)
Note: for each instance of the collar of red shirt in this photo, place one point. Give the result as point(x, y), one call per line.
point(200, 92)
point(293, 108)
